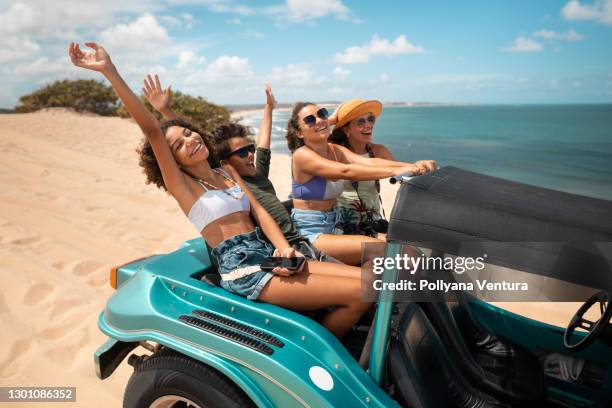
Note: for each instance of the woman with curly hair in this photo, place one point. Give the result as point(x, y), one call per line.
point(318, 171)
point(360, 201)
point(220, 206)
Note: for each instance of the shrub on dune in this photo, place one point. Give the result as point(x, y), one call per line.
point(88, 95)
point(82, 95)
point(197, 110)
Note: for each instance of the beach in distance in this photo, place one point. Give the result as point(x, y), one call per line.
point(74, 203)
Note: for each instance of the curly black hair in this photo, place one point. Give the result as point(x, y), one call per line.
point(148, 161)
point(293, 127)
point(223, 133)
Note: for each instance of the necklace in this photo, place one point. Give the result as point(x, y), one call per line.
point(235, 195)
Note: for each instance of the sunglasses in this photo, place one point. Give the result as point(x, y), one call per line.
point(310, 120)
point(362, 121)
point(243, 151)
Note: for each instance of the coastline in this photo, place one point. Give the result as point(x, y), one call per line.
point(74, 204)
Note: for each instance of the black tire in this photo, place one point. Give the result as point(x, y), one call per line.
point(168, 373)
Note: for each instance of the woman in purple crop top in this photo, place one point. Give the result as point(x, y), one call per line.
point(318, 171)
point(179, 159)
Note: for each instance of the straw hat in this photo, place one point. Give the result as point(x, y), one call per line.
point(349, 110)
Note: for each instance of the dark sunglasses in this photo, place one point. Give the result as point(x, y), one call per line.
point(310, 120)
point(243, 151)
point(361, 121)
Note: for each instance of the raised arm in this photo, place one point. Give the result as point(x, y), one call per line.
point(101, 62)
point(265, 129)
point(309, 162)
point(159, 98)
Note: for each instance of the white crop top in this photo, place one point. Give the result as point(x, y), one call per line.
point(215, 204)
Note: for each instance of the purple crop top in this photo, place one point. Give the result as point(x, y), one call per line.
point(317, 188)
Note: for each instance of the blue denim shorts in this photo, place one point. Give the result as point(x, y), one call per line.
point(311, 223)
point(238, 258)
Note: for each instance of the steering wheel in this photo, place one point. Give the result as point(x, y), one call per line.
point(594, 329)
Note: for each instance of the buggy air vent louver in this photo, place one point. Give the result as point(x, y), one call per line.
point(226, 333)
point(251, 331)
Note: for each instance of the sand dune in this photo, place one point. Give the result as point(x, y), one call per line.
point(73, 203)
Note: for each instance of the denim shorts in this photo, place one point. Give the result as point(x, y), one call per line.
point(311, 223)
point(238, 258)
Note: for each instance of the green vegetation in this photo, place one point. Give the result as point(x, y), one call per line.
point(82, 95)
point(88, 95)
point(197, 110)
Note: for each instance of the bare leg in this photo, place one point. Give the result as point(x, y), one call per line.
point(345, 248)
point(333, 269)
point(310, 291)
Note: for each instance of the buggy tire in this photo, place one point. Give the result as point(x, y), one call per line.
point(168, 375)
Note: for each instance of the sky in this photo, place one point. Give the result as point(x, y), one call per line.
point(472, 51)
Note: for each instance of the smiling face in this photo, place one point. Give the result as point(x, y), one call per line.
point(317, 132)
point(245, 166)
point(360, 129)
point(187, 147)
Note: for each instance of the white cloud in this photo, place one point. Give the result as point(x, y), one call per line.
point(140, 36)
point(303, 10)
point(377, 46)
point(185, 20)
point(218, 6)
point(570, 35)
point(17, 48)
point(228, 68)
point(43, 66)
point(524, 44)
point(188, 58)
point(294, 75)
point(599, 10)
point(308, 11)
point(341, 73)
point(17, 19)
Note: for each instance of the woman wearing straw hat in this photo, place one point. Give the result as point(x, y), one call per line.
point(318, 169)
point(360, 201)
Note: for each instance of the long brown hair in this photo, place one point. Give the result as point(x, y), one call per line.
point(339, 137)
point(293, 127)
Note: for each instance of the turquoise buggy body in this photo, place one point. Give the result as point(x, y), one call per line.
point(274, 357)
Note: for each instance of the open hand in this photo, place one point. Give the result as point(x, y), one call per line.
point(152, 89)
point(99, 60)
point(270, 100)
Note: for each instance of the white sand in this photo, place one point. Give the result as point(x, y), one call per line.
point(73, 203)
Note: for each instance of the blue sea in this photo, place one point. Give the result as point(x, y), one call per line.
point(563, 147)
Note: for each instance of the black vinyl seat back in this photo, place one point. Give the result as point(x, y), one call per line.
point(509, 372)
point(423, 374)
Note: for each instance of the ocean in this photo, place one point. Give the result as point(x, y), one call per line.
point(562, 147)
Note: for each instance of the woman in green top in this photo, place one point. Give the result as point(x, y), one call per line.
point(360, 201)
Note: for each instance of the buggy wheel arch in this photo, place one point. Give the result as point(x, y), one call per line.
point(168, 376)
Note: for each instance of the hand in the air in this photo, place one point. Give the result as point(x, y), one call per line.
point(98, 60)
point(270, 100)
point(159, 98)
